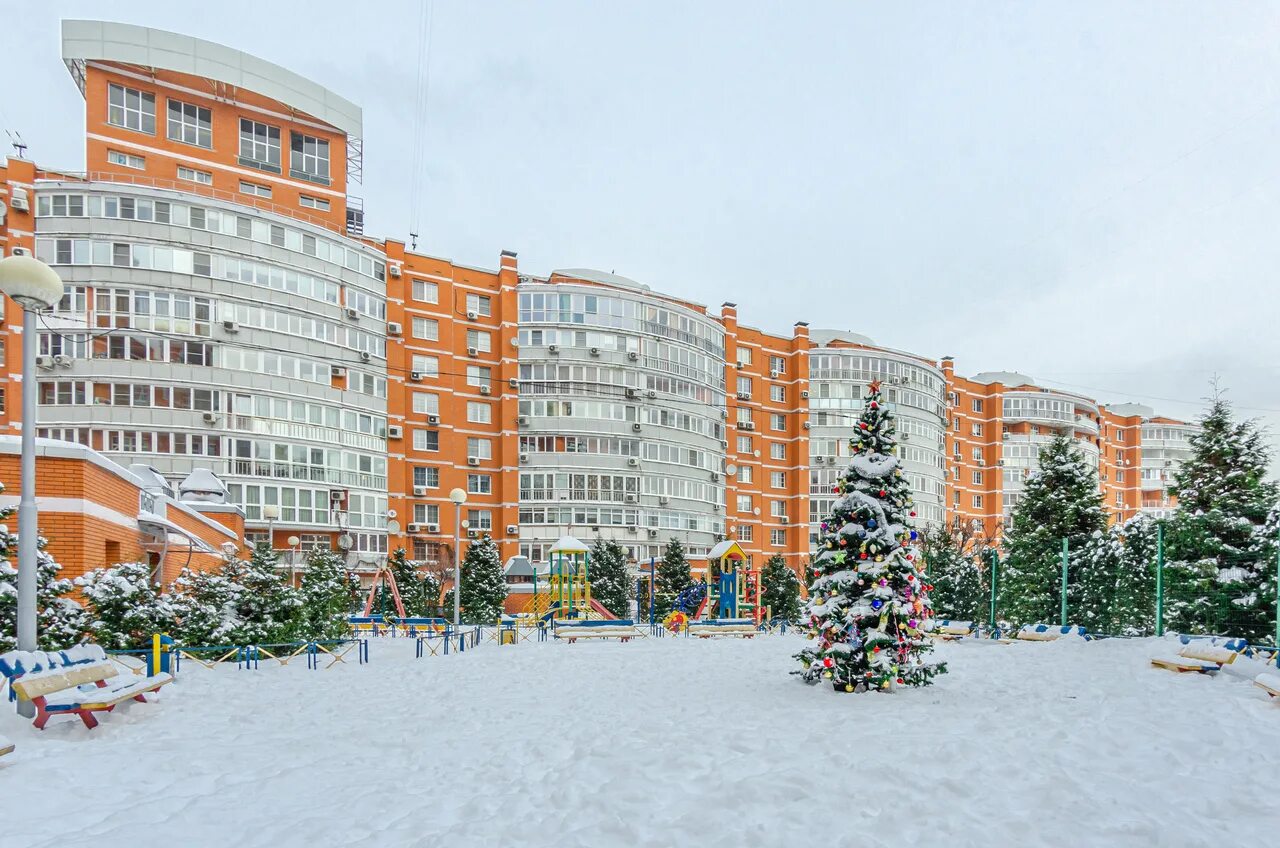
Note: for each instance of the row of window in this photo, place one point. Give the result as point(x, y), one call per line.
point(621, 313)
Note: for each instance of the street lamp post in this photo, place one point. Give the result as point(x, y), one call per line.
point(293, 542)
point(35, 287)
point(459, 497)
point(271, 512)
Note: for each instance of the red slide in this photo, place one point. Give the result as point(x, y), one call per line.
point(604, 612)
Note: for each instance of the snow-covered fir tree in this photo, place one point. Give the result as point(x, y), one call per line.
point(204, 604)
point(329, 594)
point(1060, 500)
point(780, 590)
point(60, 621)
point(484, 586)
point(1133, 603)
point(419, 589)
point(1219, 562)
point(267, 609)
point(610, 580)
point(868, 611)
point(672, 578)
point(957, 564)
point(124, 606)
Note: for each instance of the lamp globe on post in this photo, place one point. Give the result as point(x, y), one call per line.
point(459, 497)
point(35, 287)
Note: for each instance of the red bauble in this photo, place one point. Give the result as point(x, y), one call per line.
point(862, 555)
point(901, 681)
point(883, 493)
point(826, 662)
point(863, 425)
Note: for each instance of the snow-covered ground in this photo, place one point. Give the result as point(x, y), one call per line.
point(660, 742)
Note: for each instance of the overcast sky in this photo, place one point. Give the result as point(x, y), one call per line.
point(1083, 192)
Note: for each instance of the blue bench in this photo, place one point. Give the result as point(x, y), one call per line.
point(1050, 632)
point(948, 630)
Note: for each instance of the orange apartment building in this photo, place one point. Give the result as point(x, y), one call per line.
point(227, 314)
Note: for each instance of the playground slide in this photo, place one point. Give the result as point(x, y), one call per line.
point(602, 610)
point(702, 608)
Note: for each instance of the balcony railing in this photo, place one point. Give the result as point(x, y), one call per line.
point(301, 471)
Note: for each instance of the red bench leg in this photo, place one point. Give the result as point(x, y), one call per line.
point(42, 714)
point(87, 717)
point(141, 698)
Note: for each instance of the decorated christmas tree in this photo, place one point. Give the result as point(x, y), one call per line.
point(868, 609)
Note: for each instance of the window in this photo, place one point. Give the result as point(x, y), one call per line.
point(1119, 475)
point(778, 394)
point(256, 189)
point(427, 366)
point(309, 202)
point(1120, 435)
point(308, 158)
point(744, 503)
point(194, 176)
point(128, 160)
point(479, 413)
point(480, 340)
point(777, 421)
point(426, 291)
point(977, 404)
point(744, 444)
point(744, 386)
point(777, 365)
point(744, 356)
point(479, 484)
point(427, 329)
point(778, 479)
point(480, 448)
point(190, 124)
point(426, 440)
point(778, 538)
point(480, 519)
point(425, 403)
point(479, 304)
point(427, 476)
point(259, 145)
point(777, 450)
point(977, 478)
point(479, 375)
point(976, 430)
point(778, 509)
point(746, 533)
point(426, 514)
point(977, 501)
point(977, 454)
point(746, 474)
point(131, 109)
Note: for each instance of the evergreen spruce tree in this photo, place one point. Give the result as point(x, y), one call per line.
point(672, 578)
point(1219, 568)
point(1060, 500)
point(780, 590)
point(1133, 608)
point(868, 609)
point(408, 583)
point(124, 607)
point(267, 609)
point(956, 563)
point(329, 594)
point(204, 605)
point(484, 586)
point(60, 621)
point(610, 580)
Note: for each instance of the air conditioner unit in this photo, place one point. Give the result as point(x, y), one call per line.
point(394, 328)
point(1168, 463)
point(419, 491)
point(632, 528)
point(982, 463)
point(806, 425)
point(365, 356)
point(715, 507)
point(18, 200)
point(1004, 436)
point(634, 462)
point(472, 315)
point(512, 529)
point(553, 348)
point(744, 396)
point(663, 500)
point(782, 519)
point(636, 427)
point(352, 314)
point(395, 431)
point(524, 457)
point(773, 375)
point(44, 361)
point(19, 251)
point(338, 371)
point(394, 270)
point(1000, 462)
point(631, 393)
point(485, 390)
point(653, 532)
point(415, 528)
point(210, 418)
point(473, 460)
point(230, 326)
point(433, 528)
point(746, 425)
point(471, 351)
point(906, 437)
point(62, 360)
point(513, 383)
point(522, 420)
point(629, 499)
point(804, 393)
point(651, 394)
point(595, 351)
point(633, 356)
point(715, 477)
point(433, 419)
point(724, 444)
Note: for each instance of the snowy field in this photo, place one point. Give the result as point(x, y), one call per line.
point(657, 743)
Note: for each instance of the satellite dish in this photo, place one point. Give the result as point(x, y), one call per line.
point(345, 542)
point(393, 527)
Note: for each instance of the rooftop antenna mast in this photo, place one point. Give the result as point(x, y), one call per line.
point(15, 138)
point(413, 238)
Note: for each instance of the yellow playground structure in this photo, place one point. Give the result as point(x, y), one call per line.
point(568, 592)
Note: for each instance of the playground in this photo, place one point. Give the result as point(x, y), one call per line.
point(656, 742)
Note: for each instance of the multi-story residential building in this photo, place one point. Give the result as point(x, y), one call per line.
point(224, 310)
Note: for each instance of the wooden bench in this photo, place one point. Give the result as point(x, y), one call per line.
point(6, 747)
point(732, 627)
point(950, 631)
point(1269, 683)
point(78, 682)
point(1203, 656)
point(1050, 632)
point(622, 630)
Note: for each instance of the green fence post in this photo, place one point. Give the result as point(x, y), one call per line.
point(1278, 593)
point(1064, 581)
point(1160, 578)
point(995, 569)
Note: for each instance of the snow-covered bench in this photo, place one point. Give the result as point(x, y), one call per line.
point(948, 630)
point(1269, 683)
point(621, 629)
point(743, 628)
point(1050, 632)
point(1203, 655)
point(6, 747)
point(78, 681)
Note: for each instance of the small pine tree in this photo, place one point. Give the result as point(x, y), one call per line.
point(1133, 604)
point(1060, 500)
point(484, 586)
point(204, 605)
point(267, 609)
point(328, 593)
point(957, 562)
point(610, 580)
point(60, 621)
point(672, 578)
point(780, 590)
point(124, 607)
